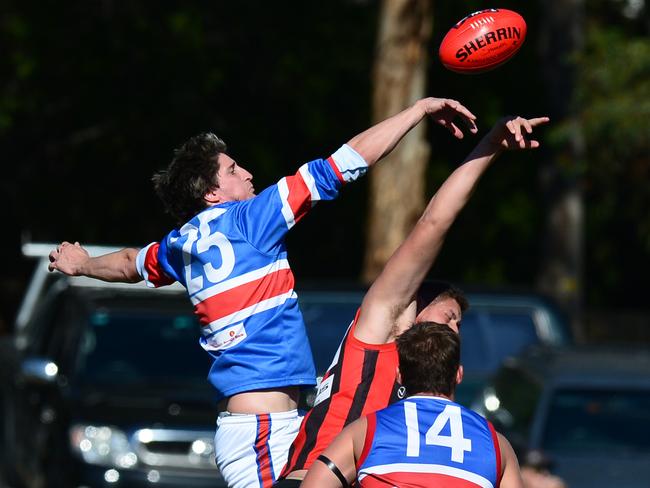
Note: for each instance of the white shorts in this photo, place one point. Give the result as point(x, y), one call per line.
point(251, 450)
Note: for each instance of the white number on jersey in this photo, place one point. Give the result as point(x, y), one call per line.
point(204, 241)
point(455, 440)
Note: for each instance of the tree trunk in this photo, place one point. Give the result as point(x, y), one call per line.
point(397, 184)
point(561, 274)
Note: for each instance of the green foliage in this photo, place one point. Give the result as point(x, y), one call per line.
point(613, 97)
point(613, 108)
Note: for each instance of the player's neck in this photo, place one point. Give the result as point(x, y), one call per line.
point(436, 395)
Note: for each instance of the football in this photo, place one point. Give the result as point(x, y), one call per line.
point(482, 41)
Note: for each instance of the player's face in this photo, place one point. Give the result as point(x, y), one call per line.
point(235, 183)
point(443, 311)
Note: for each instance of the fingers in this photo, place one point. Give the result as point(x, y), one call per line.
point(538, 120)
point(56, 253)
point(528, 143)
point(514, 126)
point(455, 131)
point(520, 128)
point(53, 256)
point(445, 110)
point(62, 245)
point(463, 112)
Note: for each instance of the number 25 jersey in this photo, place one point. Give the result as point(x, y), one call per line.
point(232, 259)
point(425, 441)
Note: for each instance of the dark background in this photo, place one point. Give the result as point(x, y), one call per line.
point(95, 95)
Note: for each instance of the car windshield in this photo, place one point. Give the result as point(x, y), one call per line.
point(489, 336)
point(142, 346)
point(327, 318)
point(612, 421)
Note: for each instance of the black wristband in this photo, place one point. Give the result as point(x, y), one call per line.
point(334, 469)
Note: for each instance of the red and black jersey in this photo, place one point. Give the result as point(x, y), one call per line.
point(361, 379)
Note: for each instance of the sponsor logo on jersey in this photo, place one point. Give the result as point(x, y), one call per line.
point(324, 390)
point(227, 338)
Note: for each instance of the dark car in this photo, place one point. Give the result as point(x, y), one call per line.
point(587, 408)
point(108, 387)
point(105, 384)
point(501, 324)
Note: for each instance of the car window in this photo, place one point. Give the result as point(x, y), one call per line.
point(327, 317)
point(596, 420)
point(491, 335)
point(141, 346)
point(42, 325)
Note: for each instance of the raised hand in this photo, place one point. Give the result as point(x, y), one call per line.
point(445, 112)
point(513, 132)
point(68, 258)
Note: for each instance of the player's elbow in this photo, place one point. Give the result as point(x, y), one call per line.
point(130, 270)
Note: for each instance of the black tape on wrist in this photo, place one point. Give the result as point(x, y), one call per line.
point(334, 469)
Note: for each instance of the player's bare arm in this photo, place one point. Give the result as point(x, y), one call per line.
point(510, 475)
point(377, 141)
point(343, 452)
point(393, 291)
point(74, 260)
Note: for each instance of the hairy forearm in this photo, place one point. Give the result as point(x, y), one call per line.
point(377, 141)
point(118, 266)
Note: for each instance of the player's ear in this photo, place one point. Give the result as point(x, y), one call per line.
point(398, 374)
point(459, 374)
point(213, 196)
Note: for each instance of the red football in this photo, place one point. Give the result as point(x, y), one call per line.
point(482, 41)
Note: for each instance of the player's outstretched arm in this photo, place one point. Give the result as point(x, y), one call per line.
point(377, 141)
point(393, 290)
point(74, 260)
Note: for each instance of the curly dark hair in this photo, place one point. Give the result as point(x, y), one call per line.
point(190, 175)
point(429, 357)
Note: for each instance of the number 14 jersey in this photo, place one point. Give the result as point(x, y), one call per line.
point(425, 441)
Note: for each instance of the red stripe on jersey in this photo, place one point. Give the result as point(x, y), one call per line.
point(299, 197)
point(336, 169)
point(371, 425)
point(155, 273)
point(351, 393)
point(414, 479)
point(385, 371)
point(497, 449)
point(245, 295)
point(262, 450)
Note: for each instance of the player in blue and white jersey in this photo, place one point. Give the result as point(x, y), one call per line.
point(425, 439)
point(229, 252)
